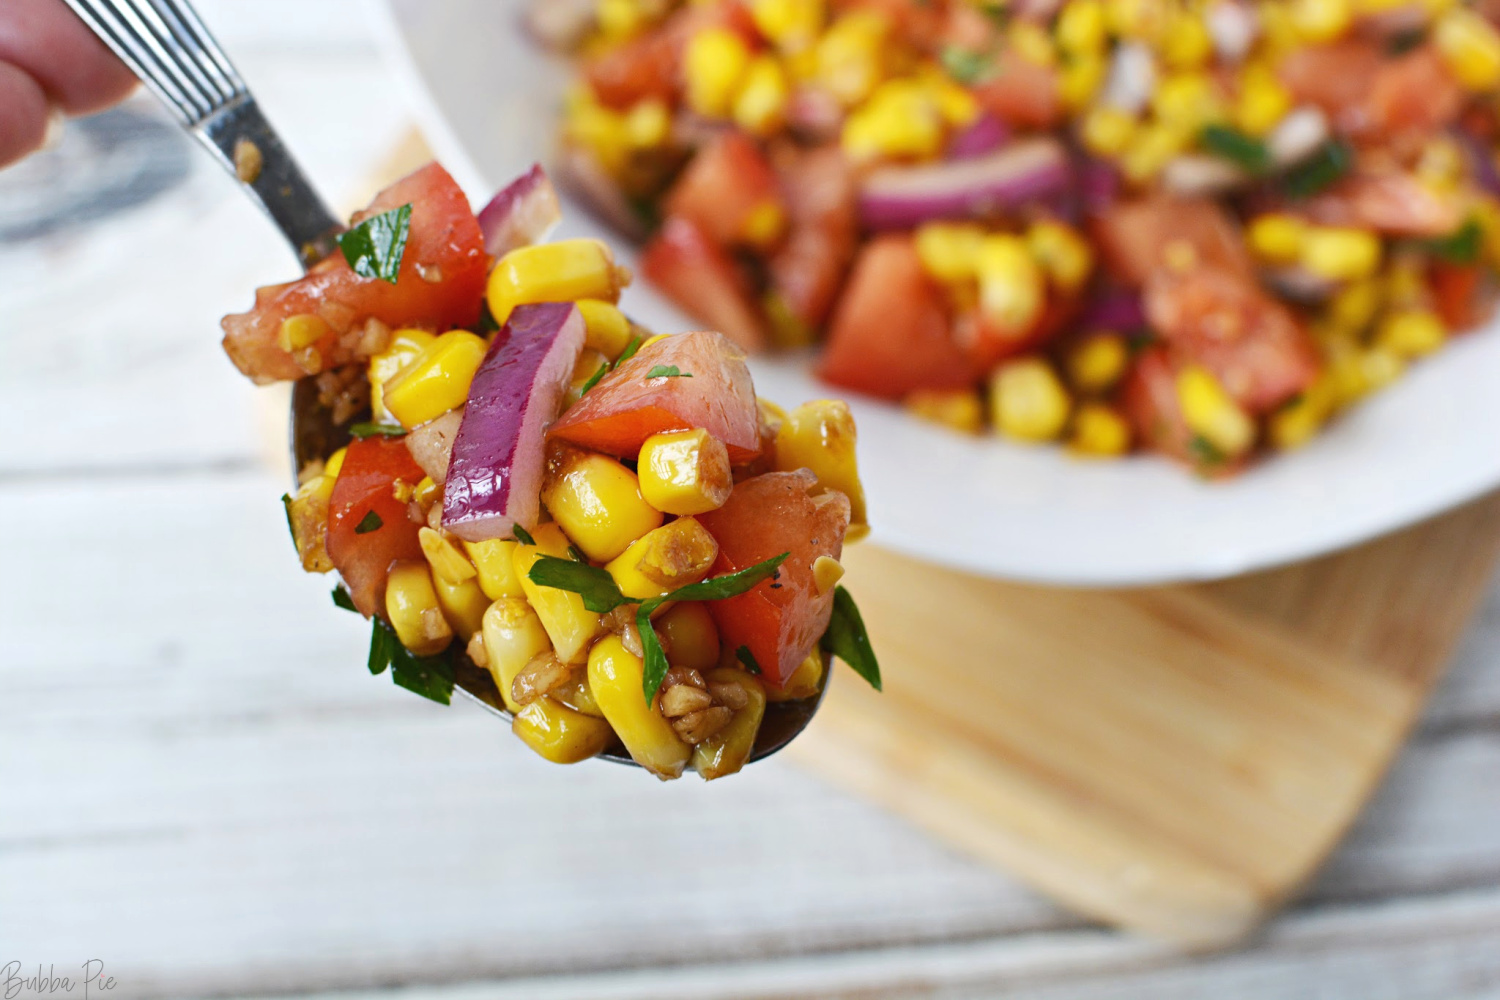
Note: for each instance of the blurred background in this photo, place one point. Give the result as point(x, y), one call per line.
point(199, 788)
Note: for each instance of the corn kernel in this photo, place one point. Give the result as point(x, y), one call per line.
point(1340, 254)
point(1263, 101)
point(564, 271)
point(949, 251)
point(335, 463)
point(1031, 42)
point(1211, 413)
point(1278, 31)
point(684, 472)
point(1411, 333)
point(1099, 432)
point(619, 19)
point(437, 380)
point(1137, 19)
point(1027, 401)
point(726, 751)
point(301, 331)
point(615, 677)
point(805, 681)
point(404, 346)
point(689, 636)
point(1012, 291)
point(956, 105)
point(1097, 362)
point(307, 513)
point(598, 502)
point(1405, 282)
point(1187, 101)
point(494, 564)
point(664, 559)
point(820, 435)
point(1441, 165)
point(447, 562)
point(1321, 20)
point(790, 25)
point(513, 635)
point(602, 131)
point(569, 624)
point(560, 734)
point(427, 492)
point(714, 63)
point(648, 124)
point(827, 572)
point(1150, 149)
point(1080, 27)
point(850, 55)
point(764, 224)
point(1470, 48)
point(1062, 252)
point(899, 120)
point(1107, 131)
point(1185, 42)
point(575, 694)
point(1295, 423)
point(1277, 237)
point(1080, 80)
point(1353, 307)
point(411, 604)
point(608, 329)
point(463, 604)
point(760, 105)
point(959, 409)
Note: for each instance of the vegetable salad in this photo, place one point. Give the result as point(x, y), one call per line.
point(1200, 227)
point(603, 532)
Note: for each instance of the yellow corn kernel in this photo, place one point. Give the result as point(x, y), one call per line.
point(676, 554)
point(1470, 48)
point(684, 472)
point(899, 120)
point(1081, 28)
point(602, 131)
point(959, 409)
point(949, 251)
point(334, 464)
point(411, 604)
point(653, 339)
point(1097, 362)
point(827, 572)
point(463, 604)
point(1080, 80)
point(615, 677)
point(790, 25)
point(1321, 20)
point(560, 734)
point(713, 64)
point(1262, 101)
point(494, 562)
point(569, 624)
point(726, 751)
point(1295, 423)
point(1107, 131)
point(1138, 19)
point(689, 636)
point(1185, 42)
point(764, 224)
point(619, 19)
point(820, 435)
point(302, 330)
point(598, 502)
point(1027, 400)
point(1339, 253)
point(1411, 333)
point(584, 369)
point(608, 329)
point(1063, 253)
point(850, 55)
point(1211, 413)
point(1187, 101)
point(1355, 372)
point(760, 105)
point(1031, 42)
point(1278, 33)
point(648, 124)
point(956, 105)
point(575, 694)
point(437, 380)
point(404, 346)
point(805, 681)
point(564, 271)
point(1405, 282)
point(1354, 306)
point(1442, 166)
point(1277, 237)
point(1012, 291)
point(513, 635)
point(1150, 149)
point(307, 513)
point(426, 492)
point(1099, 432)
point(446, 560)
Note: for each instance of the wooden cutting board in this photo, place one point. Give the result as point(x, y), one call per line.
point(1172, 760)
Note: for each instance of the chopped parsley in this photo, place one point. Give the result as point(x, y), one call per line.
point(577, 555)
point(668, 371)
point(286, 506)
point(370, 429)
point(598, 589)
point(847, 638)
point(1319, 171)
point(1204, 452)
point(629, 352)
point(1459, 247)
point(522, 535)
point(374, 248)
point(747, 659)
point(967, 66)
point(342, 599)
point(370, 522)
point(599, 373)
point(1244, 151)
point(429, 676)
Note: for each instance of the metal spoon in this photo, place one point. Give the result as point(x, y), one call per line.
point(166, 44)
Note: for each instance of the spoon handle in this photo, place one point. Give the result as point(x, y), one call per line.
point(166, 44)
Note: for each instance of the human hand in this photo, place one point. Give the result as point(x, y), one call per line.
point(50, 64)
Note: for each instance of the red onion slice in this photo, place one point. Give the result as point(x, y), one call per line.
point(523, 213)
point(1117, 309)
point(903, 197)
point(495, 474)
point(984, 134)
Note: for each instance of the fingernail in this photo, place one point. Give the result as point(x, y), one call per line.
point(56, 122)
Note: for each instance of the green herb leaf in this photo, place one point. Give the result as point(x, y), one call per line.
point(654, 665)
point(1403, 42)
point(342, 599)
point(374, 248)
point(522, 535)
point(1318, 171)
point(1460, 247)
point(429, 676)
point(291, 529)
point(629, 352)
point(576, 554)
point(370, 429)
point(668, 371)
point(847, 639)
point(487, 323)
point(966, 66)
point(747, 658)
point(1204, 452)
point(1139, 341)
point(370, 522)
point(598, 589)
point(599, 373)
point(383, 645)
point(1244, 151)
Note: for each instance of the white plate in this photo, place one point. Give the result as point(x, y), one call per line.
point(488, 102)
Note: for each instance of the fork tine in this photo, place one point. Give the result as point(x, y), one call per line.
point(197, 45)
point(112, 22)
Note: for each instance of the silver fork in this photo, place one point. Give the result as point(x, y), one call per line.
point(165, 43)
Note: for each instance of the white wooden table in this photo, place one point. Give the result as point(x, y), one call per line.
point(200, 786)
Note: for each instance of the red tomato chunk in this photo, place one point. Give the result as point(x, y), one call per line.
point(366, 485)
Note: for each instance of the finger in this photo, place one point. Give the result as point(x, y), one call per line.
point(47, 40)
point(23, 114)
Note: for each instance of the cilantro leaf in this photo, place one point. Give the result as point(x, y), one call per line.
point(576, 555)
point(1204, 451)
point(429, 676)
point(286, 506)
point(598, 589)
point(342, 599)
point(668, 371)
point(374, 248)
point(967, 66)
point(599, 373)
point(1459, 247)
point(1244, 151)
point(371, 429)
point(847, 639)
point(522, 535)
point(1332, 161)
point(370, 522)
point(629, 352)
point(747, 658)
point(383, 644)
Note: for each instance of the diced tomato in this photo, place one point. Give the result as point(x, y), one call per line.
point(1460, 295)
point(625, 408)
point(366, 485)
point(1134, 236)
point(1021, 93)
point(890, 331)
point(1251, 342)
point(701, 278)
point(439, 286)
point(1413, 93)
point(778, 620)
point(640, 69)
point(1393, 203)
point(920, 25)
point(988, 345)
point(1149, 398)
point(724, 187)
point(811, 263)
point(1337, 78)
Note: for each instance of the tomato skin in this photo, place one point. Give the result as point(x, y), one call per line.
point(625, 408)
point(989, 346)
point(699, 276)
point(1459, 295)
point(809, 266)
point(725, 183)
point(1133, 237)
point(1337, 78)
point(1413, 93)
point(640, 69)
point(1366, 93)
point(890, 332)
point(1021, 93)
point(365, 483)
point(444, 240)
point(779, 620)
point(1394, 203)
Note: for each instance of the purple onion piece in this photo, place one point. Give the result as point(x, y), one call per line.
point(495, 474)
point(984, 134)
point(1481, 161)
point(1022, 172)
point(523, 213)
point(1117, 309)
point(1098, 184)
